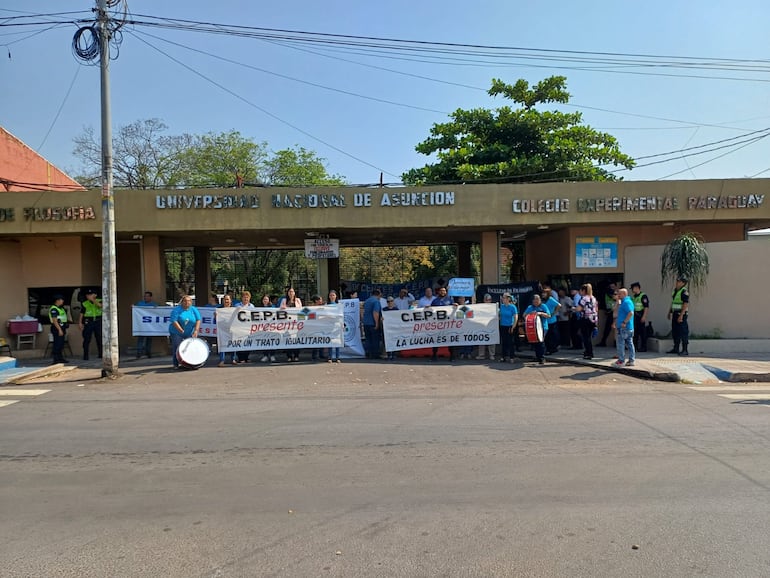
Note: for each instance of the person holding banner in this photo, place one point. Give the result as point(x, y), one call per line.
point(390, 305)
point(185, 322)
point(245, 303)
point(509, 315)
point(537, 308)
point(227, 301)
point(290, 300)
point(490, 349)
point(144, 343)
point(442, 298)
point(334, 352)
point(269, 355)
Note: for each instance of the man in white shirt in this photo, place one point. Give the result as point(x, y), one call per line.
point(427, 299)
point(404, 299)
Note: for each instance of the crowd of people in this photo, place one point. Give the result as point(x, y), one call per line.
point(565, 319)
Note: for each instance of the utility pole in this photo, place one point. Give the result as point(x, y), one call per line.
point(109, 290)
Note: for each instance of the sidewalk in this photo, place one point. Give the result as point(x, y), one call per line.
point(701, 369)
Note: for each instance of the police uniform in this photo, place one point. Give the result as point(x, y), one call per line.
point(58, 315)
point(680, 331)
point(91, 324)
point(641, 302)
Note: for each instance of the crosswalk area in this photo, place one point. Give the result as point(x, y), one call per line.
point(7, 395)
point(743, 394)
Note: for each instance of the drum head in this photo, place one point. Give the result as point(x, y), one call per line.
point(534, 328)
point(193, 352)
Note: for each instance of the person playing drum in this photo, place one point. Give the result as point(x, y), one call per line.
point(185, 322)
point(537, 308)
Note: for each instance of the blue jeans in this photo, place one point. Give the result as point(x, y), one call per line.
point(143, 346)
point(176, 341)
point(625, 340)
point(372, 341)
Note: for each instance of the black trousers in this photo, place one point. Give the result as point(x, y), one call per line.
point(92, 327)
point(57, 349)
point(680, 332)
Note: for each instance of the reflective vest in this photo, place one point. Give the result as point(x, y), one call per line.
point(676, 301)
point(91, 310)
point(609, 302)
point(637, 299)
point(61, 314)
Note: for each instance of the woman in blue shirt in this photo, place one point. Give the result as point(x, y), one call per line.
point(185, 322)
point(508, 316)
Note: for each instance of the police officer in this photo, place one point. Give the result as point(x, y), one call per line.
point(680, 304)
point(91, 322)
point(610, 302)
point(58, 317)
point(641, 310)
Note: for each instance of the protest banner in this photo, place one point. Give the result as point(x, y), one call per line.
point(441, 326)
point(154, 321)
point(354, 346)
point(242, 329)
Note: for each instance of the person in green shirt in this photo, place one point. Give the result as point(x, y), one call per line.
point(91, 322)
point(58, 317)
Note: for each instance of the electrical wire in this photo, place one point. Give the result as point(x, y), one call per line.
point(287, 77)
point(61, 107)
point(262, 109)
point(712, 159)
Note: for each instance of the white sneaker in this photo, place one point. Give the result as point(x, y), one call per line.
point(272, 358)
point(264, 359)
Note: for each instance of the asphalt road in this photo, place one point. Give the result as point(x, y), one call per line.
point(377, 469)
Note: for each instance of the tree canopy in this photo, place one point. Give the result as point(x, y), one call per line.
point(146, 157)
point(521, 144)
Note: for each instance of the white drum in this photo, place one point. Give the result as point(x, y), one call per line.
point(193, 352)
point(534, 328)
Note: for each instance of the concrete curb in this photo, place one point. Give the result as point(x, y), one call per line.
point(47, 371)
point(663, 374)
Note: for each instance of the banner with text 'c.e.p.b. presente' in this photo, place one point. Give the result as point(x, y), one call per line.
point(441, 326)
point(242, 329)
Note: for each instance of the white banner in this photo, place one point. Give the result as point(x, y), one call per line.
point(441, 326)
point(241, 329)
point(354, 347)
point(154, 321)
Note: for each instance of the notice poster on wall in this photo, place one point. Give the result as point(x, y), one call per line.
point(596, 252)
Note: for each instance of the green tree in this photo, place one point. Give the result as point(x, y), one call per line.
point(298, 167)
point(224, 159)
point(685, 256)
point(518, 144)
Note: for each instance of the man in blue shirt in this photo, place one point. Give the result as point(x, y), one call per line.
point(371, 322)
point(552, 338)
point(624, 325)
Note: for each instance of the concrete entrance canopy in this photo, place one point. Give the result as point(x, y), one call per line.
point(278, 217)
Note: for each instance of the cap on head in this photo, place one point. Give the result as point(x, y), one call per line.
point(506, 294)
point(58, 296)
point(90, 292)
point(682, 279)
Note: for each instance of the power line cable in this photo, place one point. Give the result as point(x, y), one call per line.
point(280, 75)
point(712, 159)
point(261, 109)
point(61, 107)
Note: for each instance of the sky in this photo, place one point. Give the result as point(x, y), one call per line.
point(48, 97)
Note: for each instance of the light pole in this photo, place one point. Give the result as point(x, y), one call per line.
point(109, 291)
